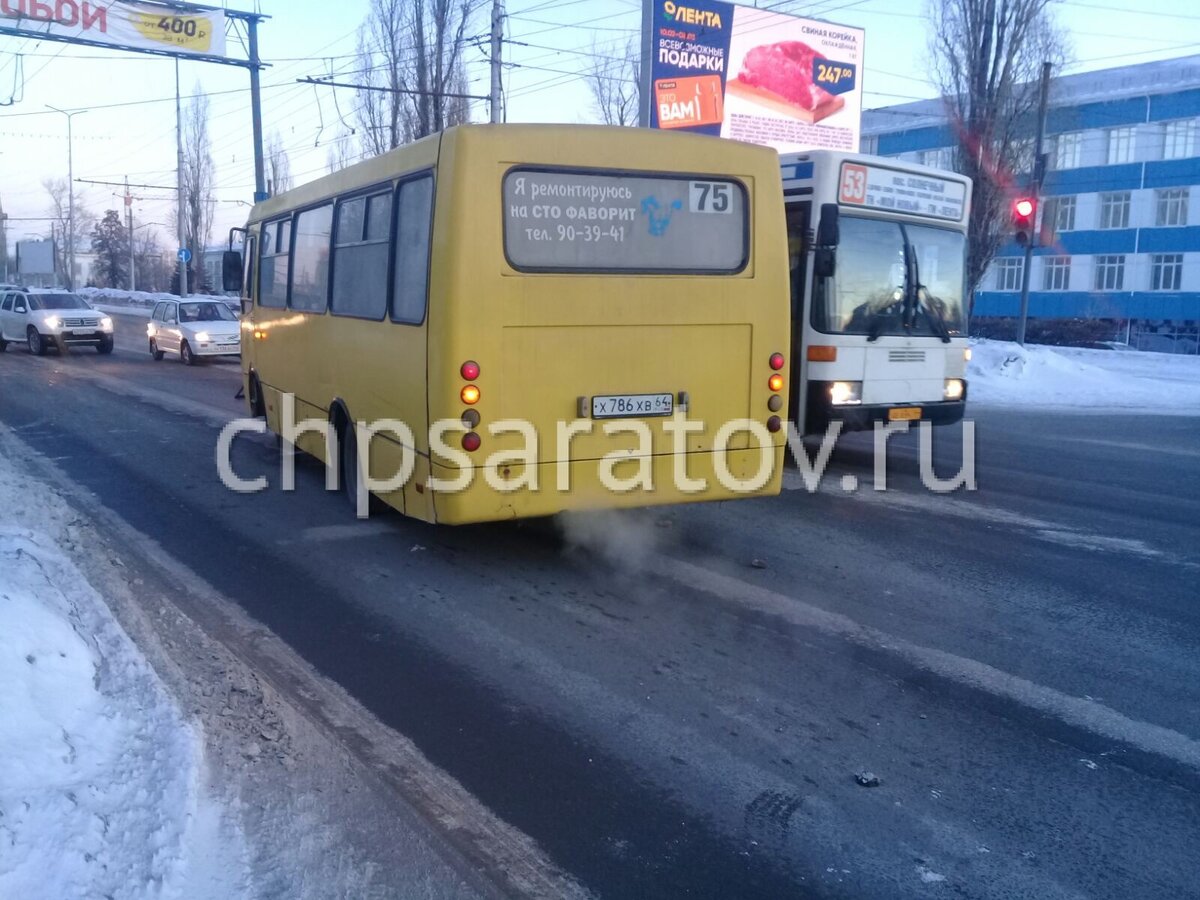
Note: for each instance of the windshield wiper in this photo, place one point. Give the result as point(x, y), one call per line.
point(912, 300)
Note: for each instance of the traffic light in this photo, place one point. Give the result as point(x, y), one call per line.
point(1024, 211)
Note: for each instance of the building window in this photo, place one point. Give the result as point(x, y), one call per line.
point(1068, 149)
point(1166, 271)
point(1114, 210)
point(870, 144)
point(1056, 273)
point(1171, 207)
point(939, 158)
point(1009, 270)
point(1120, 145)
point(1064, 214)
point(1110, 273)
point(1179, 139)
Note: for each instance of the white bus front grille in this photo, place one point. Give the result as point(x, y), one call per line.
point(906, 356)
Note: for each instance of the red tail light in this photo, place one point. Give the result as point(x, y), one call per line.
point(471, 441)
point(774, 424)
point(470, 370)
point(777, 361)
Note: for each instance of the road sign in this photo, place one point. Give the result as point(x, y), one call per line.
point(185, 255)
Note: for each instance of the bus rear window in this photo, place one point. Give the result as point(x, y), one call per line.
point(558, 220)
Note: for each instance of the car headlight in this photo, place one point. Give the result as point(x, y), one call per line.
point(106, 324)
point(53, 323)
point(203, 337)
point(954, 389)
point(845, 393)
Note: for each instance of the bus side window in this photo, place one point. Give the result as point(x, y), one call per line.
point(250, 250)
point(273, 264)
point(360, 257)
point(415, 221)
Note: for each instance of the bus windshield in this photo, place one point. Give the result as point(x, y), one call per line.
point(872, 292)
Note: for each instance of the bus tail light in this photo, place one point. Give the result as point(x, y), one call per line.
point(777, 361)
point(471, 441)
point(822, 353)
point(775, 382)
point(470, 395)
point(469, 370)
point(774, 424)
point(775, 403)
point(470, 418)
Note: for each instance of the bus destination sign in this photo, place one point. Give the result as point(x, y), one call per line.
point(874, 187)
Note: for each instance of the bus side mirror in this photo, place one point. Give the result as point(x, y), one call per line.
point(825, 260)
point(231, 271)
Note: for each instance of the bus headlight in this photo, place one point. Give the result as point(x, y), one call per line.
point(845, 393)
point(954, 389)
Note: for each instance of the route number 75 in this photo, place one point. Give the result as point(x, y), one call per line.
point(711, 197)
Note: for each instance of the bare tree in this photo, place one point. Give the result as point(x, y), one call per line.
point(987, 58)
point(615, 82)
point(199, 177)
point(341, 152)
point(149, 262)
point(59, 190)
point(413, 49)
point(279, 166)
point(3, 245)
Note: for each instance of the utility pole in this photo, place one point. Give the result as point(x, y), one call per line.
point(260, 170)
point(70, 194)
point(497, 43)
point(183, 275)
point(129, 217)
point(1039, 174)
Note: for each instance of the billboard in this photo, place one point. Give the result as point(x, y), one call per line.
point(121, 23)
point(755, 75)
point(35, 258)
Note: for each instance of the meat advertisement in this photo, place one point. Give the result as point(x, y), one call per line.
point(755, 75)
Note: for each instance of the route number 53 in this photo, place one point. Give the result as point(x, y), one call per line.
point(711, 197)
point(854, 184)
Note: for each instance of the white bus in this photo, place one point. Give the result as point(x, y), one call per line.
point(878, 263)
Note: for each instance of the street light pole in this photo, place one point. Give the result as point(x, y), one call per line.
point(70, 194)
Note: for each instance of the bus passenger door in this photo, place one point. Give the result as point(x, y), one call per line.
point(798, 218)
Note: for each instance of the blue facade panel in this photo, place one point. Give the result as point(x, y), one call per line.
point(1169, 240)
point(1167, 173)
point(1110, 114)
point(1091, 304)
point(1180, 105)
point(1093, 179)
point(929, 138)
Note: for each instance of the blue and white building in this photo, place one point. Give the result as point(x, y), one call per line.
point(1122, 190)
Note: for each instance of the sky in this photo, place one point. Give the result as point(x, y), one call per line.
point(129, 127)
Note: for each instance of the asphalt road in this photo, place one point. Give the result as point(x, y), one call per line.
point(676, 702)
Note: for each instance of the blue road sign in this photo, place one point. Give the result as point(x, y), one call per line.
point(185, 255)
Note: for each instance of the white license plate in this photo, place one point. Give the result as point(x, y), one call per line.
point(616, 406)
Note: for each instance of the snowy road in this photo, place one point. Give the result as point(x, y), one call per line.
point(676, 703)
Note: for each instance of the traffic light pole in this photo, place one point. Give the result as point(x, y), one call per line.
point(1039, 171)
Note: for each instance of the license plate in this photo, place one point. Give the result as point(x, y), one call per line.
point(904, 414)
point(616, 406)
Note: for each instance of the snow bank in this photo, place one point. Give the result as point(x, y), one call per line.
point(102, 788)
point(1005, 374)
point(136, 299)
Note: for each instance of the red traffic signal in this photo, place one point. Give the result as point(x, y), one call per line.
point(1024, 211)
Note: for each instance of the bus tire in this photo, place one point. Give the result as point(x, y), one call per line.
point(254, 398)
point(348, 463)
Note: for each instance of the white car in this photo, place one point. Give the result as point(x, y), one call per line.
point(44, 319)
point(194, 329)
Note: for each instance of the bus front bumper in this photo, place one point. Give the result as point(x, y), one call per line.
point(820, 411)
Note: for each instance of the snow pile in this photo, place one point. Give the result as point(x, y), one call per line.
point(101, 779)
point(1005, 374)
point(135, 299)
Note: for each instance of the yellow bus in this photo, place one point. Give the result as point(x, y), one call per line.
point(530, 319)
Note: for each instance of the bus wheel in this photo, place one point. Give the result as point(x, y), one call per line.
point(349, 464)
point(255, 399)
